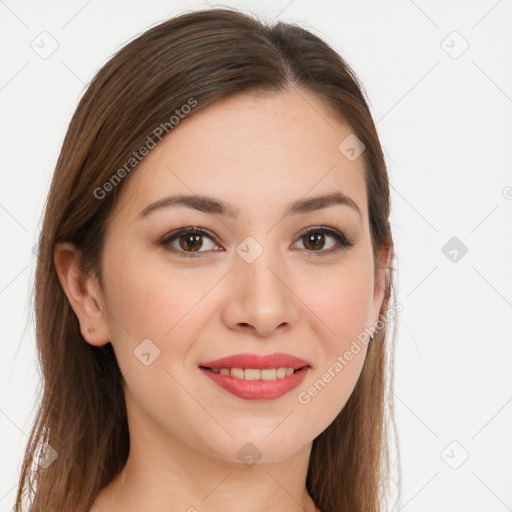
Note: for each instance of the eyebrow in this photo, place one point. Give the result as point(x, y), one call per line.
point(210, 205)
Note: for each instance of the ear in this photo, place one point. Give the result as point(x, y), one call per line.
point(379, 283)
point(83, 292)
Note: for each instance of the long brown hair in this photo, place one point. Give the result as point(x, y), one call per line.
point(205, 55)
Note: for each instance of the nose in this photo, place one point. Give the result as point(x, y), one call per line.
point(261, 298)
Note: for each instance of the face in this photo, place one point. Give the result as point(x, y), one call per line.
point(266, 280)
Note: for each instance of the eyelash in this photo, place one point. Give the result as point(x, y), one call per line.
point(343, 242)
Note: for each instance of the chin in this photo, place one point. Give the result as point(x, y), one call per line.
point(262, 446)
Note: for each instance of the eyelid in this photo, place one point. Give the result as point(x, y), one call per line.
point(327, 229)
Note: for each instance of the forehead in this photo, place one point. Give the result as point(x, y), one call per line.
point(252, 151)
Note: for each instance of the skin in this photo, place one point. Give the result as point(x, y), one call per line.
point(258, 152)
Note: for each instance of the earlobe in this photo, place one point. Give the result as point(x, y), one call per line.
point(83, 293)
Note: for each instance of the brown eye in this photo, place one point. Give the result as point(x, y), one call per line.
point(315, 239)
point(190, 242)
point(189, 239)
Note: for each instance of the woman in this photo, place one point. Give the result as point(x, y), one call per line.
point(214, 280)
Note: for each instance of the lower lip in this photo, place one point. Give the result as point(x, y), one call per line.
point(258, 389)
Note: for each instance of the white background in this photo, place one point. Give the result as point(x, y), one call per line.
point(446, 127)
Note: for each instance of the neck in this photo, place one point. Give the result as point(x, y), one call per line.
point(164, 473)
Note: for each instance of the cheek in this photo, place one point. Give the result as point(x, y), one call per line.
point(157, 315)
point(330, 385)
point(341, 298)
point(149, 299)
point(166, 306)
point(342, 303)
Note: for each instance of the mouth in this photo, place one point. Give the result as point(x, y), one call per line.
point(257, 376)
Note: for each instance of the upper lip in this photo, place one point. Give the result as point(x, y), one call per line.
point(261, 361)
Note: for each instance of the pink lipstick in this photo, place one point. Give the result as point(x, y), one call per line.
point(255, 376)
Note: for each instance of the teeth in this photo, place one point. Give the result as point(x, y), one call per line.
point(237, 372)
point(255, 373)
